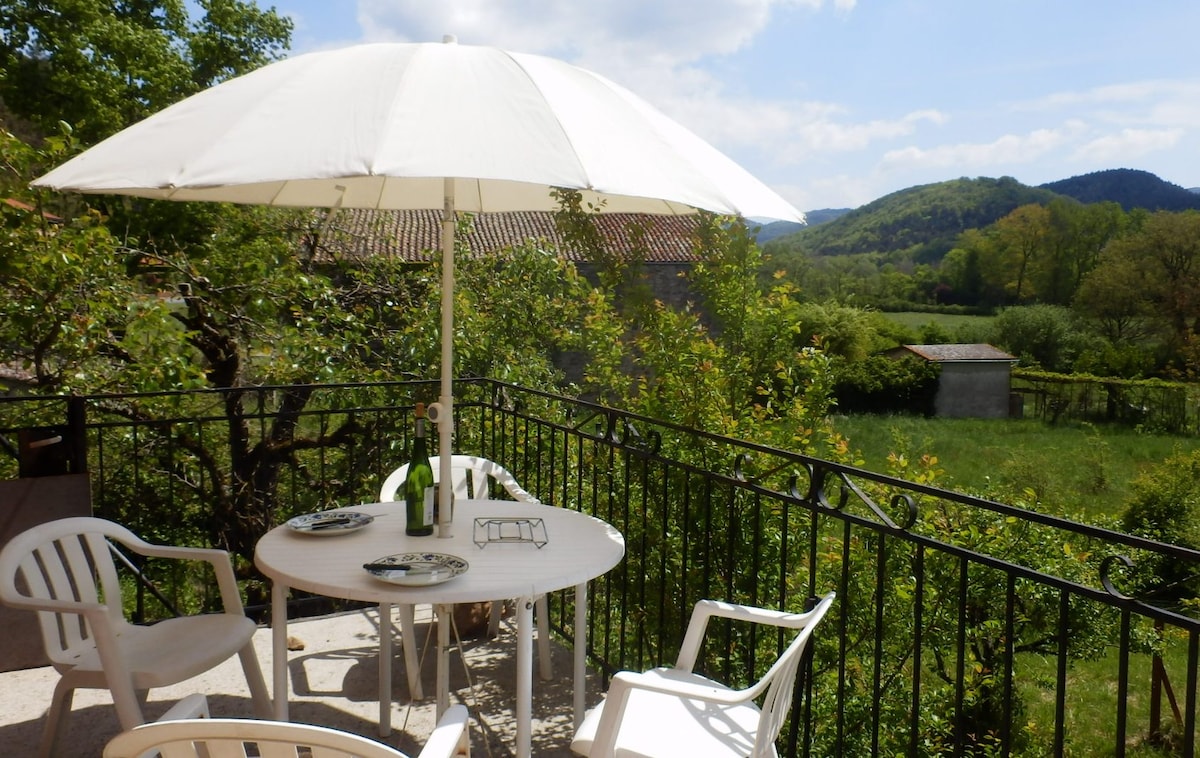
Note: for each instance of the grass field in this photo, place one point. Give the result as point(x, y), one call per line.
point(1078, 469)
point(952, 323)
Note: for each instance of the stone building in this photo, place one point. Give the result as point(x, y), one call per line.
point(667, 242)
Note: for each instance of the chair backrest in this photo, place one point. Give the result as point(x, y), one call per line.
point(780, 679)
point(64, 570)
point(200, 738)
point(470, 475)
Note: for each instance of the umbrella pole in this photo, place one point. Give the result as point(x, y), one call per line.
point(445, 420)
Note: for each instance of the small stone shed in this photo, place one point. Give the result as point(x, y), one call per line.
point(976, 379)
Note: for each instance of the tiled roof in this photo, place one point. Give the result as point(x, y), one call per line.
point(12, 202)
point(960, 352)
point(412, 235)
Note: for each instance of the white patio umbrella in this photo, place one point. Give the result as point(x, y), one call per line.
point(418, 126)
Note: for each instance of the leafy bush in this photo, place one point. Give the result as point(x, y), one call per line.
point(1045, 336)
point(880, 384)
point(1166, 507)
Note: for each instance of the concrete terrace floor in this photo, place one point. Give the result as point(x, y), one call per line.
point(334, 683)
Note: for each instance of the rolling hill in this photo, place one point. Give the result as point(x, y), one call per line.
point(923, 222)
point(1129, 188)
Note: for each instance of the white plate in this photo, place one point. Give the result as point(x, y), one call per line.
point(329, 523)
point(416, 569)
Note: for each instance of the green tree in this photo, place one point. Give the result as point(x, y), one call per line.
point(101, 65)
point(1020, 238)
point(67, 307)
point(1076, 234)
point(1163, 252)
point(1045, 336)
point(1116, 295)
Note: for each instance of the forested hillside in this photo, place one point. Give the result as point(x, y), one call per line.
point(921, 222)
point(1129, 188)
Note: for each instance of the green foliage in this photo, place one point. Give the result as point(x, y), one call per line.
point(1158, 264)
point(879, 384)
point(1041, 336)
point(1165, 506)
point(69, 315)
point(102, 66)
point(517, 310)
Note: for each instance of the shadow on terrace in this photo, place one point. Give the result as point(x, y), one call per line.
point(962, 626)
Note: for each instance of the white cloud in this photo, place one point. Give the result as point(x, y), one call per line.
point(1123, 147)
point(1005, 150)
point(622, 29)
point(1116, 94)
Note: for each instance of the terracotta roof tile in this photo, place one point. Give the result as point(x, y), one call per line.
point(412, 235)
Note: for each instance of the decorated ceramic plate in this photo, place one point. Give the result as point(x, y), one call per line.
point(416, 568)
point(329, 523)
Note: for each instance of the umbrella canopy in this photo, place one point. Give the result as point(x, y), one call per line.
point(412, 126)
point(381, 126)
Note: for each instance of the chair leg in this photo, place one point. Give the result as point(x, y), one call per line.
point(56, 719)
point(254, 679)
point(128, 701)
point(542, 617)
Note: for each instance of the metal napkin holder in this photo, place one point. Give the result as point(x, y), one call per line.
point(493, 529)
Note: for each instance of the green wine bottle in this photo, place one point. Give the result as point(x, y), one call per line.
point(418, 486)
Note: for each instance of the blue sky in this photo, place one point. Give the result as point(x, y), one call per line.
point(835, 103)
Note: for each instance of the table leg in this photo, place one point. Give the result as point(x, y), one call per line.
point(580, 650)
point(444, 614)
point(385, 669)
point(279, 661)
point(524, 677)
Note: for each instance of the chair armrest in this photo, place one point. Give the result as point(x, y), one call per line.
point(450, 737)
point(222, 565)
point(194, 706)
point(660, 680)
point(57, 606)
point(707, 609)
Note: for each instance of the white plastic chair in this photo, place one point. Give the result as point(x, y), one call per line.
point(238, 738)
point(471, 479)
point(64, 570)
point(672, 711)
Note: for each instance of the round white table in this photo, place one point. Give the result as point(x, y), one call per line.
point(578, 548)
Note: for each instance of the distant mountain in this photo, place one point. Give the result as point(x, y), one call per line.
point(1129, 188)
point(768, 232)
point(825, 215)
point(922, 222)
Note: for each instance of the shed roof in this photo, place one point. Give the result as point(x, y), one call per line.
point(958, 353)
point(413, 234)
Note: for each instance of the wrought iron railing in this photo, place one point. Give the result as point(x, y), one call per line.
point(962, 626)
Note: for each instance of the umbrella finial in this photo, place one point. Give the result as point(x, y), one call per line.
point(449, 39)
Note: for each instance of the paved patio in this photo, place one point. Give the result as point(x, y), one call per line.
point(334, 684)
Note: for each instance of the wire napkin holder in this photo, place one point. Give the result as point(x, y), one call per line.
point(522, 530)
